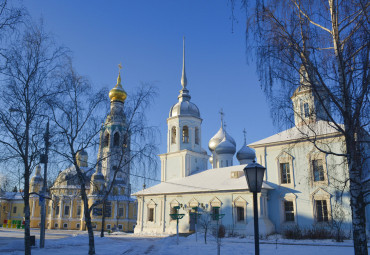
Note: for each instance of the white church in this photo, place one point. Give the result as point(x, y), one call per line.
point(301, 185)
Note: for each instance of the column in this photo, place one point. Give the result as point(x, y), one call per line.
point(127, 209)
point(33, 207)
point(71, 209)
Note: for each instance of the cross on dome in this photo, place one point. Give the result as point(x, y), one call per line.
point(245, 136)
point(222, 117)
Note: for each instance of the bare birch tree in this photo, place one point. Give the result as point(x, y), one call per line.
point(328, 43)
point(26, 73)
point(78, 113)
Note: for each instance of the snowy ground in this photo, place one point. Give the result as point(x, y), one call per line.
point(75, 242)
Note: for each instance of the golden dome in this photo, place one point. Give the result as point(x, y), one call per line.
point(118, 93)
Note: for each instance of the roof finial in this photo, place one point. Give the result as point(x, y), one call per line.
point(245, 136)
point(119, 74)
point(222, 118)
point(184, 81)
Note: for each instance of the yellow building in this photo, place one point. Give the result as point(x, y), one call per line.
point(64, 209)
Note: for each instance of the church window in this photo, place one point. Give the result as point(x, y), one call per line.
point(79, 210)
point(120, 212)
point(318, 170)
point(116, 139)
point(185, 134)
point(108, 226)
point(66, 210)
point(239, 213)
point(65, 225)
point(227, 163)
point(57, 210)
point(120, 227)
point(14, 209)
point(173, 210)
point(215, 212)
point(122, 191)
point(196, 135)
point(306, 110)
point(151, 214)
point(106, 140)
point(285, 173)
point(55, 225)
point(321, 211)
point(78, 225)
point(289, 211)
point(173, 135)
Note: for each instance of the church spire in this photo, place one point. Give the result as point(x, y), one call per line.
point(184, 81)
point(184, 92)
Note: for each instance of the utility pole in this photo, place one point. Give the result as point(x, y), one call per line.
point(44, 160)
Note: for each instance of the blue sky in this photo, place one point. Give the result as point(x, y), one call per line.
point(146, 36)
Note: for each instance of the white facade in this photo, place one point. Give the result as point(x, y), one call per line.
point(303, 186)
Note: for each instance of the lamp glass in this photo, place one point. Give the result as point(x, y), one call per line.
point(254, 173)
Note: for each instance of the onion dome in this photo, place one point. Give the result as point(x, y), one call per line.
point(82, 158)
point(37, 177)
point(225, 147)
point(118, 93)
point(184, 106)
point(245, 154)
point(219, 136)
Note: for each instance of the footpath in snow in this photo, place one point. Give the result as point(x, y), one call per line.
point(130, 244)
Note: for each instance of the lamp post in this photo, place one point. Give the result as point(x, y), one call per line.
point(254, 173)
point(177, 216)
point(44, 160)
point(196, 215)
point(217, 216)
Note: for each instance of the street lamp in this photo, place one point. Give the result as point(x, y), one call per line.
point(217, 216)
point(44, 160)
point(177, 216)
point(254, 173)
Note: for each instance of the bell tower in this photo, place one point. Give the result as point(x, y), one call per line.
point(310, 103)
point(114, 147)
point(185, 154)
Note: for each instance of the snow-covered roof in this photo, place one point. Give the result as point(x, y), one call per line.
point(11, 196)
point(212, 180)
point(317, 129)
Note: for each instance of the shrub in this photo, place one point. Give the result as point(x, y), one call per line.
point(293, 232)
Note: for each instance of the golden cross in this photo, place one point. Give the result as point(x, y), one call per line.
point(120, 67)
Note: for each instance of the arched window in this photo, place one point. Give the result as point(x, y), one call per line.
point(173, 135)
point(116, 139)
point(196, 135)
point(106, 140)
point(185, 134)
point(306, 110)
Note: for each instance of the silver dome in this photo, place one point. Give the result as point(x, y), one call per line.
point(218, 137)
point(184, 108)
point(245, 153)
point(225, 147)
